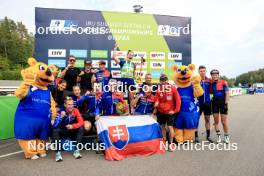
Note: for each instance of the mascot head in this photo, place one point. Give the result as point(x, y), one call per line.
point(37, 73)
point(55, 69)
point(182, 75)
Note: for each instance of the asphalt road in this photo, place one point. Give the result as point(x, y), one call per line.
point(246, 119)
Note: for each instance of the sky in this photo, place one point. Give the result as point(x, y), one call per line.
point(227, 34)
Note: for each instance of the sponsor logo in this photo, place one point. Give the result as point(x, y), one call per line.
point(56, 53)
point(138, 64)
point(99, 54)
point(141, 74)
point(95, 63)
point(157, 55)
point(167, 30)
point(78, 53)
point(59, 63)
point(114, 64)
point(140, 54)
point(63, 25)
point(116, 73)
point(175, 56)
point(157, 65)
point(119, 54)
point(79, 63)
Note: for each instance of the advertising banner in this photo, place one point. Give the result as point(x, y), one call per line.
point(161, 40)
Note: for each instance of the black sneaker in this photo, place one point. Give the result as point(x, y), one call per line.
point(196, 140)
point(209, 140)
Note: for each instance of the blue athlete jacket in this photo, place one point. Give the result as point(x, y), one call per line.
point(145, 104)
point(103, 77)
point(205, 98)
point(74, 118)
point(108, 106)
point(219, 89)
point(87, 103)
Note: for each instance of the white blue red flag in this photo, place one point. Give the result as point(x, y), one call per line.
point(126, 136)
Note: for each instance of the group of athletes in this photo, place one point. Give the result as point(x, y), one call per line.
point(82, 97)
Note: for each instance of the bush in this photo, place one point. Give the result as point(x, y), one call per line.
point(10, 74)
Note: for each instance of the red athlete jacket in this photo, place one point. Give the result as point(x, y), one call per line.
point(168, 99)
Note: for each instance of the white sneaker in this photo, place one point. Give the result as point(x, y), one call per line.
point(77, 154)
point(218, 138)
point(58, 157)
point(227, 140)
point(34, 157)
point(43, 155)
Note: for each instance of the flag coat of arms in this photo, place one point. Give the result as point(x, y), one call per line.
point(126, 136)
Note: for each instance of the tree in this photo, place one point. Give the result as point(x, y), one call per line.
point(230, 82)
point(16, 46)
point(16, 43)
point(251, 77)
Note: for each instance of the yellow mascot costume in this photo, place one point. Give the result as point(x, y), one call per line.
point(189, 88)
point(35, 109)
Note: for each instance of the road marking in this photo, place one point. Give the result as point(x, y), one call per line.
point(9, 154)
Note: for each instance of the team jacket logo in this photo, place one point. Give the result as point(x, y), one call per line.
point(118, 136)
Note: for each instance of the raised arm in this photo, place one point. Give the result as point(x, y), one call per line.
point(114, 54)
point(28, 77)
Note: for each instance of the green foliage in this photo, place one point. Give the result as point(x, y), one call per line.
point(4, 63)
point(230, 82)
point(16, 46)
point(251, 77)
point(10, 74)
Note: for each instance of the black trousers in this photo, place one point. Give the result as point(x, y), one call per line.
point(61, 133)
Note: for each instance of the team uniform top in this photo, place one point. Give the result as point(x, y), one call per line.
point(205, 98)
point(145, 104)
point(127, 71)
point(103, 77)
point(74, 118)
point(219, 89)
point(168, 100)
point(109, 100)
point(87, 103)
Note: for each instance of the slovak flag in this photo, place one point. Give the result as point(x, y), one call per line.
point(125, 136)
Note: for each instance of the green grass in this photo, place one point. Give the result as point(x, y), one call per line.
point(7, 111)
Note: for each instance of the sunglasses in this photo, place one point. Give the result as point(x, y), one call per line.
point(163, 79)
point(72, 60)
